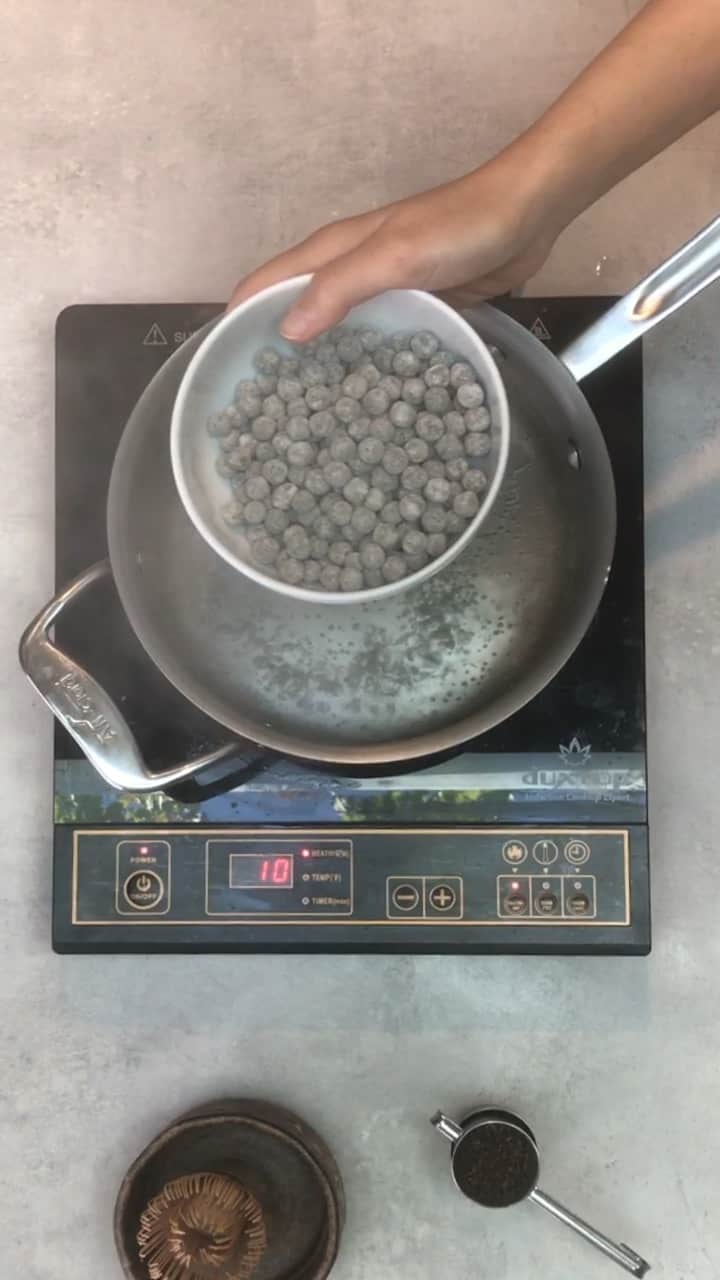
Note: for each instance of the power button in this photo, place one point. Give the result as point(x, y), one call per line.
point(143, 890)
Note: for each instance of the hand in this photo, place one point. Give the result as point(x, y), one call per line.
point(469, 240)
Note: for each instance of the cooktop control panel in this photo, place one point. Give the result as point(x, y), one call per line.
point(343, 889)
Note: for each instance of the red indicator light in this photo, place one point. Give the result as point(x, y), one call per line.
point(515, 884)
point(304, 853)
point(144, 848)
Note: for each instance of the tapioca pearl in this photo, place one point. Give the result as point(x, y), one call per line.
point(299, 408)
point(376, 402)
point(406, 364)
point(417, 450)
point(281, 442)
point(312, 373)
point(436, 544)
point(264, 427)
point(257, 488)
point(437, 400)
point(337, 473)
point(438, 375)
point(304, 502)
point(297, 428)
point(325, 351)
point(402, 414)
point(274, 407)
point(466, 504)
point(429, 427)
point(477, 444)
point(346, 409)
point(330, 577)
point(455, 423)
point(312, 573)
point(392, 386)
point(354, 386)
point(267, 360)
point(424, 345)
point(394, 568)
point(395, 460)
point(317, 482)
point(290, 570)
point(370, 338)
point(340, 512)
point(289, 389)
point(317, 398)
point(461, 373)
point(351, 579)
point(230, 442)
point(322, 424)
point(433, 519)
point(380, 479)
point(350, 348)
point(470, 395)
point(382, 429)
point(339, 551)
point(276, 522)
point(363, 521)
point(371, 450)
point(359, 429)
point(219, 424)
point(413, 391)
point(383, 358)
point(356, 491)
point(275, 471)
point(387, 536)
point(265, 549)
point(434, 467)
point(475, 480)
point(233, 513)
point(324, 528)
point(455, 524)
point(411, 506)
point(449, 447)
point(414, 477)
point(289, 367)
point(375, 499)
point(372, 555)
point(301, 453)
point(390, 513)
point(283, 495)
point(455, 468)
point(369, 372)
point(478, 419)
point(437, 489)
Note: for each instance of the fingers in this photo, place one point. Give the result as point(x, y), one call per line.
point(308, 256)
point(364, 271)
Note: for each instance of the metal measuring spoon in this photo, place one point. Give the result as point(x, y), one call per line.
point(496, 1163)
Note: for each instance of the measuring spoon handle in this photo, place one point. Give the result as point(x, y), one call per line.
point(620, 1253)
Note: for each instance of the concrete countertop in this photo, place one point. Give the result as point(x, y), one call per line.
point(155, 157)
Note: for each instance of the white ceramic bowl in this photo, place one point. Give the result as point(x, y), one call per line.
point(226, 356)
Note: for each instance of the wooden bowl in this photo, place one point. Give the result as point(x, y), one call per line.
point(274, 1155)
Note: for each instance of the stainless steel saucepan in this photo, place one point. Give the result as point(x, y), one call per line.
point(387, 681)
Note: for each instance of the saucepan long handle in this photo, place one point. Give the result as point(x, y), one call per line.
point(84, 708)
point(620, 1253)
point(664, 291)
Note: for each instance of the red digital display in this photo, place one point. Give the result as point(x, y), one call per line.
point(261, 870)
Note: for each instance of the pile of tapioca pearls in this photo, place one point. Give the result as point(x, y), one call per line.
point(355, 462)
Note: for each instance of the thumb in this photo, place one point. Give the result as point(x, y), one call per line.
point(348, 280)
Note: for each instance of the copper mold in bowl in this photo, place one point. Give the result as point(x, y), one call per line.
point(202, 1227)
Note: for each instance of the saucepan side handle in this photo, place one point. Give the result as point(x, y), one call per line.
point(664, 291)
point(84, 708)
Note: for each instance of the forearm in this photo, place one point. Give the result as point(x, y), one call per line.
point(659, 78)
